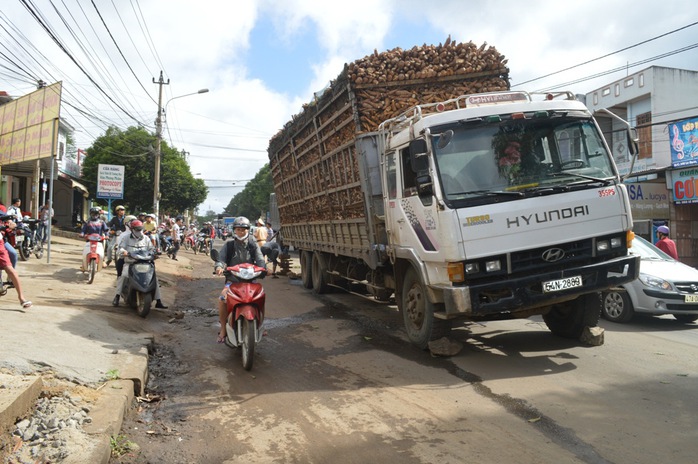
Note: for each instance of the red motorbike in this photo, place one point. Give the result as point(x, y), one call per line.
point(92, 256)
point(245, 305)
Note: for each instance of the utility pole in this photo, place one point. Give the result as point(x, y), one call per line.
point(158, 143)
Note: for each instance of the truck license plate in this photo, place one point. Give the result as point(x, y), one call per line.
point(562, 284)
point(691, 299)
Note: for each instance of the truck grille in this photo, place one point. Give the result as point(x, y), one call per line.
point(574, 252)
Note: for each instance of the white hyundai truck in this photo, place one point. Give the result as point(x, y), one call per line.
point(487, 206)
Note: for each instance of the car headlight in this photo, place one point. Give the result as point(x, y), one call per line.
point(653, 281)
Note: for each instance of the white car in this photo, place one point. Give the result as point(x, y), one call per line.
point(665, 286)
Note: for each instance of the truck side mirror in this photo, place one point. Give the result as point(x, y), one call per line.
point(633, 141)
point(419, 161)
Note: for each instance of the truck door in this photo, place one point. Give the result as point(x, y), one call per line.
point(410, 213)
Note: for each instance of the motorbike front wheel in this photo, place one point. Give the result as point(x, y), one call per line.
point(91, 271)
point(25, 250)
point(38, 250)
point(143, 302)
point(196, 248)
point(187, 245)
point(248, 342)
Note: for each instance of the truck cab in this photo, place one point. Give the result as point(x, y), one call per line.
point(502, 205)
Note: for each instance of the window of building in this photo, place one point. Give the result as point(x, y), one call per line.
point(629, 82)
point(617, 89)
point(605, 92)
point(644, 132)
point(641, 78)
point(596, 98)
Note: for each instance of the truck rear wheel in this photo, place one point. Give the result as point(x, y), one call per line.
point(306, 258)
point(418, 313)
point(319, 273)
point(569, 319)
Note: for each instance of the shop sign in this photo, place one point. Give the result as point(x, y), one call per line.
point(684, 185)
point(648, 200)
point(683, 137)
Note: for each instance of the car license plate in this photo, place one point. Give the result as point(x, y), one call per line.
point(691, 299)
point(562, 284)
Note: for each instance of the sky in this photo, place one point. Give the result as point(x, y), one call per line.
point(262, 59)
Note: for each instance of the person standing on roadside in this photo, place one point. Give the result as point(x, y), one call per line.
point(45, 216)
point(176, 232)
point(666, 244)
point(16, 210)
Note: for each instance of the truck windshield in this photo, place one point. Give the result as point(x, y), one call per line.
point(485, 160)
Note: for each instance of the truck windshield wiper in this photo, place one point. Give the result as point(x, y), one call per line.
point(491, 193)
point(604, 181)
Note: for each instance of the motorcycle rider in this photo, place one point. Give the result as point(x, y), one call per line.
point(133, 240)
point(116, 227)
point(242, 249)
point(119, 265)
point(95, 225)
point(209, 233)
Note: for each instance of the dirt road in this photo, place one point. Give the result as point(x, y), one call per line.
point(335, 380)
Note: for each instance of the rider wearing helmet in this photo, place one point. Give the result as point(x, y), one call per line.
point(243, 249)
point(94, 226)
point(666, 244)
point(116, 226)
point(134, 239)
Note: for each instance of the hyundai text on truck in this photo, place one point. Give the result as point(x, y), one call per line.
point(486, 205)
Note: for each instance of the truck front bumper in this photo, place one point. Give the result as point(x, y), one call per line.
point(526, 293)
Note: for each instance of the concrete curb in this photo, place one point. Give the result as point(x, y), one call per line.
point(18, 396)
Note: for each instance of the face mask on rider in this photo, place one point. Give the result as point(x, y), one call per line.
point(137, 234)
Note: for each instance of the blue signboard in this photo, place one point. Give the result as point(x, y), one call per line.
point(683, 138)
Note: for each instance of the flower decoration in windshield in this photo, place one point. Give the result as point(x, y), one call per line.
point(509, 150)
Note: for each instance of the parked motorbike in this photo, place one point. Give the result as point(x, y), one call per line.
point(245, 305)
point(141, 283)
point(29, 243)
point(93, 260)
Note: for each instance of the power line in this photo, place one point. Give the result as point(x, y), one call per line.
point(608, 54)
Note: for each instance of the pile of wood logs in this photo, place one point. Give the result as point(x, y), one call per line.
point(367, 92)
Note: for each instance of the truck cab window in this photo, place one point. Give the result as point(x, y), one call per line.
point(409, 177)
point(391, 175)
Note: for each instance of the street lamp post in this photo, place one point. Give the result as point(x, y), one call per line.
point(158, 141)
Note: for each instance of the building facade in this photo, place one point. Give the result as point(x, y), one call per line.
point(662, 104)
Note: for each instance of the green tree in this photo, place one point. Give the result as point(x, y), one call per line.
point(134, 149)
point(253, 201)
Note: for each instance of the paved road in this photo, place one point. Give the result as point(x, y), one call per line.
point(336, 381)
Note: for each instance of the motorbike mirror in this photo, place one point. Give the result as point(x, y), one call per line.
point(214, 254)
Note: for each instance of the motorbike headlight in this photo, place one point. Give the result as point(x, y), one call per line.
point(655, 282)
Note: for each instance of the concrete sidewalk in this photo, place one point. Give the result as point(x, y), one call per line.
point(73, 333)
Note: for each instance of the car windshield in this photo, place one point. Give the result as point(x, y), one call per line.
point(543, 153)
point(646, 251)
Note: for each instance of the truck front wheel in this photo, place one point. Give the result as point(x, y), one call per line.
point(306, 258)
point(569, 319)
point(418, 313)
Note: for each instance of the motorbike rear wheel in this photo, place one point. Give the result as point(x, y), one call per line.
point(91, 270)
point(143, 302)
point(248, 342)
point(196, 248)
